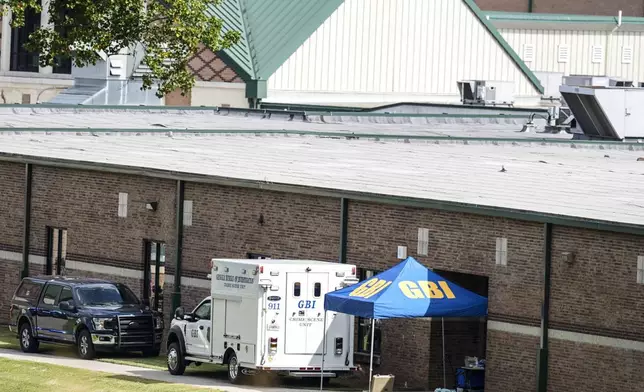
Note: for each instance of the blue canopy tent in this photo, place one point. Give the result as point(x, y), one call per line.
point(408, 290)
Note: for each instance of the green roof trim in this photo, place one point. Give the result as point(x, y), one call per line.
point(561, 18)
point(505, 46)
point(271, 31)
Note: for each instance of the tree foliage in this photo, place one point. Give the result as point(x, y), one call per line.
point(168, 31)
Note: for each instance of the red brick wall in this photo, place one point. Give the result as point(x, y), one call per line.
point(86, 204)
point(609, 261)
point(9, 278)
point(457, 242)
point(512, 363)
point(226, 223)
point(12, 203)
point(581, 7)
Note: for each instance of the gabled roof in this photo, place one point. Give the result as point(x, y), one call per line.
point(271, 31)
point(505, 46)
point(526, 20)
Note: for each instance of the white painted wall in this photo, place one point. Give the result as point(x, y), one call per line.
point(394, 50)
point(546, 43)
point(219, 94)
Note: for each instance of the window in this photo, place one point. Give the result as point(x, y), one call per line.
point(51, 294)
point(640, 269)
point(187, 212)
point(203, 311)
point(423, 242)
point(122, 205)
point(364, 326)
point(501, 251)
point(106, 294)
point(21, 59)
point(56, 251)
point(296, 289)
point(317, 290)
point(29, 291)
point(66, 295)
point(258, 256)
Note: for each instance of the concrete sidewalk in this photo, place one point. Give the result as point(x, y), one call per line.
point(133, 371)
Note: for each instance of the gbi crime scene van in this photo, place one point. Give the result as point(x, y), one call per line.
point(266, 316)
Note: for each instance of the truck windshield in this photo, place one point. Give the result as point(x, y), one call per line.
point(106, 294)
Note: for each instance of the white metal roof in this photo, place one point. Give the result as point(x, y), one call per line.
point(159, 120)
point(597, 183)
point(274, 262)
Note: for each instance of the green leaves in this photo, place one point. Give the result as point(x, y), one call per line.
point(169, 31)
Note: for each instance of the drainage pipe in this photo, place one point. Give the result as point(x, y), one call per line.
point(176, 295)
point(27, 221)
point(542, 362)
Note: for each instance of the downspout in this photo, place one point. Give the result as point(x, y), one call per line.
point(176, 295)
point(542, 362)
point(27, 221)
point(344, 219)
point(530, 5)
point(609, 39)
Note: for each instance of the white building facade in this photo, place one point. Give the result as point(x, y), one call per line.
point(382, 51)
point(576, 44)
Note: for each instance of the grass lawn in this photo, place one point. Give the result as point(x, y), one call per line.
point(24, 376)
point(8, 340)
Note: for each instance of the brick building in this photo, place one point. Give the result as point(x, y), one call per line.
point(495, 214)
point(580, 7)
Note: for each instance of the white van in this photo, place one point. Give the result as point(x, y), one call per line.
point(266, 316)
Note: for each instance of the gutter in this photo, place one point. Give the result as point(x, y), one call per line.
point(530, 216)
point(542, 360)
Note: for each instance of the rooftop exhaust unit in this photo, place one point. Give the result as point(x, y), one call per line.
point(612, 113)
point(486, 92)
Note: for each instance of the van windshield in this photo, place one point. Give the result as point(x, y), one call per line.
point(106, 294)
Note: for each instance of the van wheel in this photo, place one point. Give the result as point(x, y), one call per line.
point(234, 370)
point(28, 343)
point(176, 362)
point(85, 346)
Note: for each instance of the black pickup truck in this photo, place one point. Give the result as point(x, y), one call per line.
point(92, 314)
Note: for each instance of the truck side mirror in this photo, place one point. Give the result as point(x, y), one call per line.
point(179, 313)
point(146, 302)
point(67, 306)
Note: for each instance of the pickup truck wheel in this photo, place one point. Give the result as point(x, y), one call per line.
point(28, 343)
point(234, 370)
point(176, 362)
point(85, 345)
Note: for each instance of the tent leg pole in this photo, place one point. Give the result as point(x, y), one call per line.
point(323, 353)
point(443, 333)
point(373, 330)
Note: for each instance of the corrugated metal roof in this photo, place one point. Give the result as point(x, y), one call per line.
point(582, 183)
point(141, 119)
point(524, 20)
point(271, 30)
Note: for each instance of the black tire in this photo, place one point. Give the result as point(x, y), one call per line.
point(28, 343)
point(152, 352)
point(175, 360)
point(235, 375)
point(85, 346)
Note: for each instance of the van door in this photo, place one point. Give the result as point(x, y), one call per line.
point(295, 331)
point(318, 285)
point(305, 312)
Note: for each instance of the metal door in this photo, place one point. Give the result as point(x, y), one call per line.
point(296, 297)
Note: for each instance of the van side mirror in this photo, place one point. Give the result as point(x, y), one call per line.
point(179, 313)
point(146, 302)
point(67, 306)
